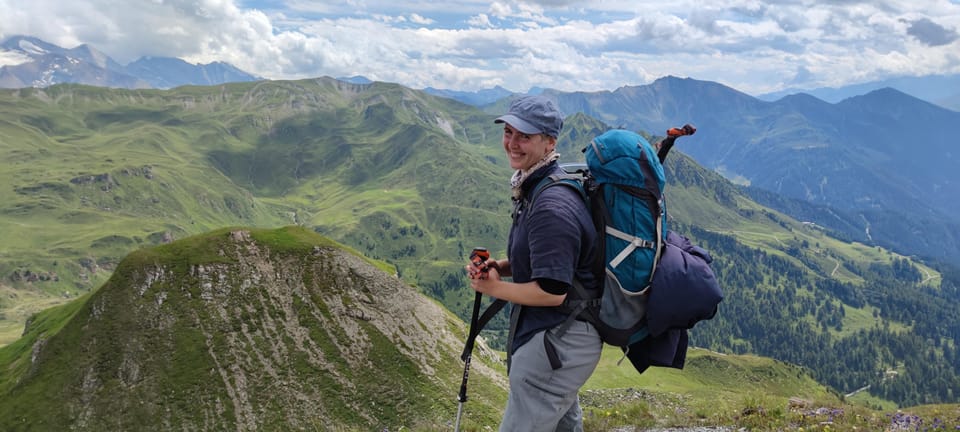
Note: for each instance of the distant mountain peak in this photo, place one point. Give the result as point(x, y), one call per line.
point(356, 79)
point(476, 98)
point(938, 89)
point(884, 96)
point(47, 64)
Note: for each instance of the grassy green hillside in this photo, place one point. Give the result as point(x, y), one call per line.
point(739, 392)
point(416, 181)
point(284, 329)
point(244, 329)
point(97, 173)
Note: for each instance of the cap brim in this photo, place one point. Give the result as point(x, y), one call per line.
point(518, 124)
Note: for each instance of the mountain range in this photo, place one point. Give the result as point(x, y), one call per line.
point(877, 167)
point(417, 181)
point(881, 167)
point(887, 181)
point(44, 64)
point(475, 98)
point(943, 90)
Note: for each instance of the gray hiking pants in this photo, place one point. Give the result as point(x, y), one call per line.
point(544, 399)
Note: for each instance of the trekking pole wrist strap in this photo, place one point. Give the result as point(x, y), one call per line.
point(482, 321)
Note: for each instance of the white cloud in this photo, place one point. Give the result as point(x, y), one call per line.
point(12, 58)
point(389, 19)
point(481, 20)
point(416, 18)
point(755, 46)
point(500, 10)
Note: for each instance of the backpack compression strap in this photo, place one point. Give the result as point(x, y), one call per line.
point(632, 244)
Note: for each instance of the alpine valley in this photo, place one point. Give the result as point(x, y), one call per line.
point(274, 254)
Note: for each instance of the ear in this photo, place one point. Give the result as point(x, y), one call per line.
point(551, 143)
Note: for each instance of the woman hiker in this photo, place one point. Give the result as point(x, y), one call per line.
point(549, 245)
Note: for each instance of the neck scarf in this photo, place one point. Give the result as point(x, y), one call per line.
point(518, 177)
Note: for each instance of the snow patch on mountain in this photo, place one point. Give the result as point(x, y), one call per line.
point(31, 48)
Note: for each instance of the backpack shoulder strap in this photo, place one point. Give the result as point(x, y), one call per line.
point(562, 179)
point(549, 181)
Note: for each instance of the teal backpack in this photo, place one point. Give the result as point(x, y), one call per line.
point(622, 183)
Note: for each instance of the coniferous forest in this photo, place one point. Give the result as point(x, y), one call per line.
point(773, 309)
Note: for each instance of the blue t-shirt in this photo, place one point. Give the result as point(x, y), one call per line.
point(554, 239)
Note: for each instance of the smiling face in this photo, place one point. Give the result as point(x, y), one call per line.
point(525, 150)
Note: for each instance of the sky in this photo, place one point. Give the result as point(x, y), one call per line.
point(751, 45)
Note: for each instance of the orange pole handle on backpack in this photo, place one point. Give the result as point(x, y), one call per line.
point(672, 135)
point(687, 129)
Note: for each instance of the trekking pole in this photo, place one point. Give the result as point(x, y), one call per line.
point(672, 135)
point(478, 257)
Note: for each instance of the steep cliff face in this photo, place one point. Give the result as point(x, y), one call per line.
point(249, 330)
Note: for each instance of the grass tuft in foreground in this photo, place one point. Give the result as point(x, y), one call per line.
point(676, 413)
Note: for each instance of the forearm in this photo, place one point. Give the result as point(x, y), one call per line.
point(527, 294)
point(503, 267)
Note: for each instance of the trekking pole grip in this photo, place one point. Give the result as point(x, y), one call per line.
point(479, 258)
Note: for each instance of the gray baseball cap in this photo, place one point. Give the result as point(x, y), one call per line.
point(533, 115)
